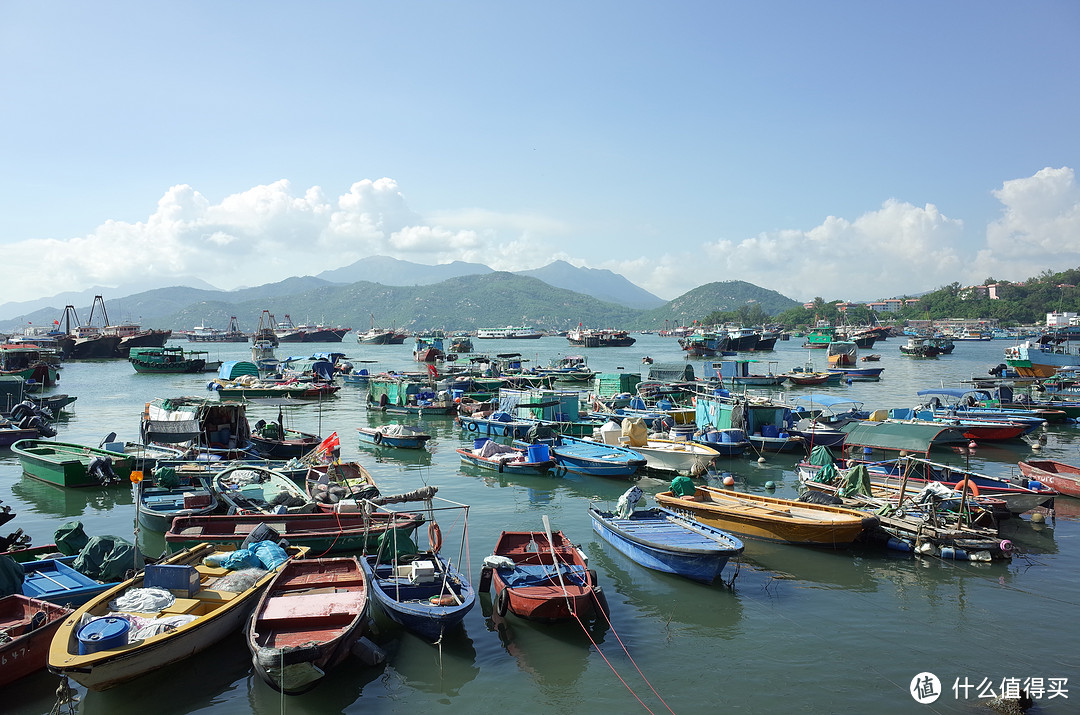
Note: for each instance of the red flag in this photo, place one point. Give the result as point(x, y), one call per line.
point(329, 444)
point(432, 370)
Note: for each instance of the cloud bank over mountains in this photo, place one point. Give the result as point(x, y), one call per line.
point(273, 231)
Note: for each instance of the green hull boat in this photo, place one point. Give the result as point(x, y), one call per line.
point(71, 465)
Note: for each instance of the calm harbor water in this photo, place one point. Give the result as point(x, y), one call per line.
point(800, 630)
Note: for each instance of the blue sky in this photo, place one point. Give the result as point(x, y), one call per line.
point(848, 150)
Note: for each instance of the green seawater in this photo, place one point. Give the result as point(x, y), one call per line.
point(799, 630)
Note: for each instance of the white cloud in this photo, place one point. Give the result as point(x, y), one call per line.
point(1039, 226)
point(898, 248)
point(271, 232)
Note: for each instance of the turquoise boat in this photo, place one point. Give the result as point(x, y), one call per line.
point(165, 361)
point(71, 465)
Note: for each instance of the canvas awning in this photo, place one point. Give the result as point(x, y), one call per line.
point(898, 436)
point(171, 431)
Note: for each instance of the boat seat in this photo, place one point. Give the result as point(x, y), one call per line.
point(213, 595)
point(181, 606)
point(312, 605)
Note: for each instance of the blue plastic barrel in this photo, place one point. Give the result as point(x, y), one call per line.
point(538, 453)
point(102, 634)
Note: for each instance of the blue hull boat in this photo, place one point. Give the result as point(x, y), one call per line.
point(586, 456)
point(662, 540)
point(427, 597)
point(54, 580)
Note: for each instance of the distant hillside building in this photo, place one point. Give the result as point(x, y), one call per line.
point(1060, 320)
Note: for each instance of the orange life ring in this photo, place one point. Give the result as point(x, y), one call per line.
point(971, 486)
point(435, 537)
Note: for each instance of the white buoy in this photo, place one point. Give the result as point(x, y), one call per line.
point(1036, 447)
point(761, 460)
point(1037, 518)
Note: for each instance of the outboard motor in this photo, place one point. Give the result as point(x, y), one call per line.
point(36, 422)
point(101, 469)
point(22, 410)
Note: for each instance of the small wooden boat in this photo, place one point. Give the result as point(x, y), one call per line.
point(168, 495)
point(665, 541)
point(338, 486)
point(541, 578)
point(770, 518)
point(426, 596)
point(586, 456)
point(272, 440)
point(808, 378)
point(401, 436)
point(324, 533)
point(1059, 476)
point(28, 625)
point(858, 374)
point(71, 465)
point(117, 650)
point(422, 589)
point(252, 489)
point(308, 621)
point(511, 460)
point(57, 581)
point(870, 358)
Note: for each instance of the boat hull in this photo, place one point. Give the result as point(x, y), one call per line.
point(1060, 477)
point(27, 649)
point(411, 604)
point(65, 464)
point(771, 519)
point(664, 541)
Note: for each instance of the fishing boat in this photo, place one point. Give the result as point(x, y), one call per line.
point(588, 456)
point(489, 454)
point(168, 494)
point(429, 347)
point(165, 361)
point(31, 362)
point(264, 357)
point(308, 620)
point(400, 394)
point(206, 334)
point(394, 435)
point(541, 577)
point(606, 338)
point(273, 440)
point(662, 540)
point(858, 374)
point(422, 589)
point(210, 426)
point(99, 646)
point(254, 489)
point(28, 625)
point(919, 347)
point(1059, 476)
point(666, 455)
point(66, 464)
point(768, 518)
point(342, 532)
point(339, 485)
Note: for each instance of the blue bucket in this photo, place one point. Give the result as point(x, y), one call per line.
point(103, 633)
point(538, 453)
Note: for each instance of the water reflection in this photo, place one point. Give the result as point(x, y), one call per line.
point(341, 688)
point(58, 501)
point(432, 668)
point(407, 459)
point(554, 654)
point(711, 610)
point(195, 683)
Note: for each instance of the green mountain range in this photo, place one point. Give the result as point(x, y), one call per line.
point(466, 302)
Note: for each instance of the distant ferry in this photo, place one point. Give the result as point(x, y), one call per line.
point(510, 332)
